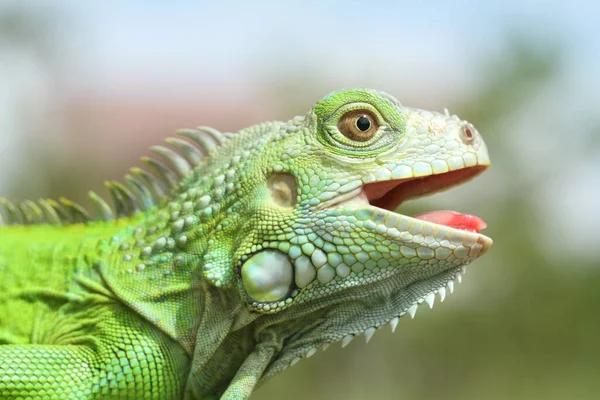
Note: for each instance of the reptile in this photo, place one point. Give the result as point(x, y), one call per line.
point(230, 257)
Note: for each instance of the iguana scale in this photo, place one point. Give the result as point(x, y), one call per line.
point(237, 255)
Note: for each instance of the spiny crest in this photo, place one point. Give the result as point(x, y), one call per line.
point(143, 189)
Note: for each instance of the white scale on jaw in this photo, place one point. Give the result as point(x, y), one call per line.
point(412, 310)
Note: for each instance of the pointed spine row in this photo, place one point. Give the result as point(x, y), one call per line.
point(412, 310)
point(142, 189)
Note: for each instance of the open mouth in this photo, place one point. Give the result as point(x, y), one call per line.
point(388, 195)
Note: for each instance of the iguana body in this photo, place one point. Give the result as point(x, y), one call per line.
point(250, 252)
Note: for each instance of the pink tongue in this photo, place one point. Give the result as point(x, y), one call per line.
point(455, 220)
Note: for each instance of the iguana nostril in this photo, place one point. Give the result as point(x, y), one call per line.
point(468, 134)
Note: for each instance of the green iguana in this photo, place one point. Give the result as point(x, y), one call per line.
point(239, 255)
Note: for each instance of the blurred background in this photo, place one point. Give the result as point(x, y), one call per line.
point(87, 87)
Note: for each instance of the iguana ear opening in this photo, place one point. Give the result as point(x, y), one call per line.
point(283, 189)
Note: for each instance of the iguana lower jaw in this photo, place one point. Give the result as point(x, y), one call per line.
point(381, 198)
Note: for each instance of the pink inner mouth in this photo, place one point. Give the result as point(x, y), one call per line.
point(453, 219)
point(390, 194)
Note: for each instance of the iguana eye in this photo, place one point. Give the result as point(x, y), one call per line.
point(359, 125)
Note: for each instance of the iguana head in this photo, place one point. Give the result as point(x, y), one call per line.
point(322, 247)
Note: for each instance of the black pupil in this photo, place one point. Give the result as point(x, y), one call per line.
point(363, 123)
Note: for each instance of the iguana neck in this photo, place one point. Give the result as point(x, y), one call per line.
point(174, 256)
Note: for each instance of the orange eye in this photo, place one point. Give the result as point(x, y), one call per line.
point(358, 125)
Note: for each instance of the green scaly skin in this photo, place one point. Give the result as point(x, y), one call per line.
point(264, 252)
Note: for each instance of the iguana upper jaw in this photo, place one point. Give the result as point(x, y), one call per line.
point(390, 194)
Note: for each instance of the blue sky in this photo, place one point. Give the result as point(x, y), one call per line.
point(115, 41)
